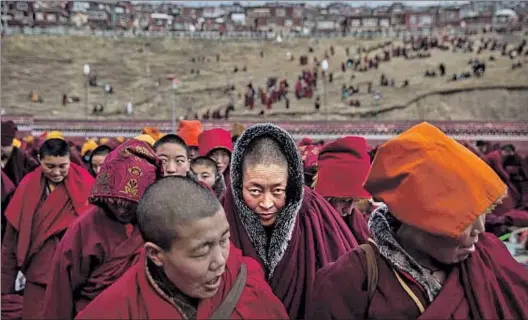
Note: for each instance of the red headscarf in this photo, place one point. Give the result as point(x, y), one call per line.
point(215, 139)
point(127, 172)
point(343, 168)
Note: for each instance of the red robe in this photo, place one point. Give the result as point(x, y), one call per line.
point(35, 225)
point(488, 285)
point(319, 236)
point(95, 252)
point(134, 297)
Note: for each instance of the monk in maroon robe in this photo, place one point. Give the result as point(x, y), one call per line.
point(343, 167)
point(189, 267)
point(45, 204)
point(511, 212)
point(429, 257)
point(105, 242)
point(15, 163)
point(275, 219)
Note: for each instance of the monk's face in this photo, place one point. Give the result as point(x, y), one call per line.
point(174, 159)
point(222, 159)
point(97, 162)
point(447, 250)
point(193, 153)
point(205, 174)
point(342, 205)
point(55, 169)
point(197, 258)
point(264, 190)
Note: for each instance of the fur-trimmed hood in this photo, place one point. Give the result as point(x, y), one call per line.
point(271, 255)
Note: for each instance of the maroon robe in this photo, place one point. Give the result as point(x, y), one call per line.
point(490, 284)
point(19, 165)
point(8, 188)
point(95, 252)
point(36, 222)
point(134, 296)
point(307, 235)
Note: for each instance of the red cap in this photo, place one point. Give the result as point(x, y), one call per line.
point(343, 168)
point(214, 139)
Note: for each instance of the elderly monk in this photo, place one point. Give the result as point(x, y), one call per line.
point(97, 158)
point(189, 269)
point(173, 153)
point(47, 201)
point(217, 145)
point(206, 171)
point(343, 168)
point(105, 242)
point(15, 163)
point(189, 131)
point(274, 218)
point(429, 257)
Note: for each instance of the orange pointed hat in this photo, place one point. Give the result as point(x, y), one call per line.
point(189, 131)
point(432, 182)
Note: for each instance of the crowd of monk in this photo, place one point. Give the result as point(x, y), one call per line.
point(250, 224)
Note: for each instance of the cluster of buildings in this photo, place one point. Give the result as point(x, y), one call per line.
point(275, 16)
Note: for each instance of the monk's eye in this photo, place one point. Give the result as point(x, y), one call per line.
point(163, 161)
point(255, 192)
point(224, 241)
point(279, 191)
point(180, 161)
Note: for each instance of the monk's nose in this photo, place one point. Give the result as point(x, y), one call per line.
point(219, 260)
point(267, 201)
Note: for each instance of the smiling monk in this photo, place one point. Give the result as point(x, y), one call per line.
point(47, 201)
point(429, 257)
point(189, 269)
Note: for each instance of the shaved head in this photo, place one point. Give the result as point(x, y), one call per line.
point(264, 151)
point(170, 201)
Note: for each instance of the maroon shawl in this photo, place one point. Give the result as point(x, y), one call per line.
point(488, 285)
point(307, 235)
point(36, 222)
point(95, 252)
point(357, 223)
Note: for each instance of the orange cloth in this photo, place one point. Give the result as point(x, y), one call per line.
point(153, 132)
point(189, 131)
point(146, 138)
point(432, 182)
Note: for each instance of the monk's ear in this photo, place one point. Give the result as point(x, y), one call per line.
point(155, 253)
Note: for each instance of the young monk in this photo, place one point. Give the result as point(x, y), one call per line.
point(274, 218)
point(15, 163)
point(429, 256)
point(217, 145)
point(105, 242)
point(97, 158)
point(45, 204)
point(206, 171)
point(189, 268)
point(343, 167)
point(173, 153)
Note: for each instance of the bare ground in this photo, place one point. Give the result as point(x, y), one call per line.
point(53, 66)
